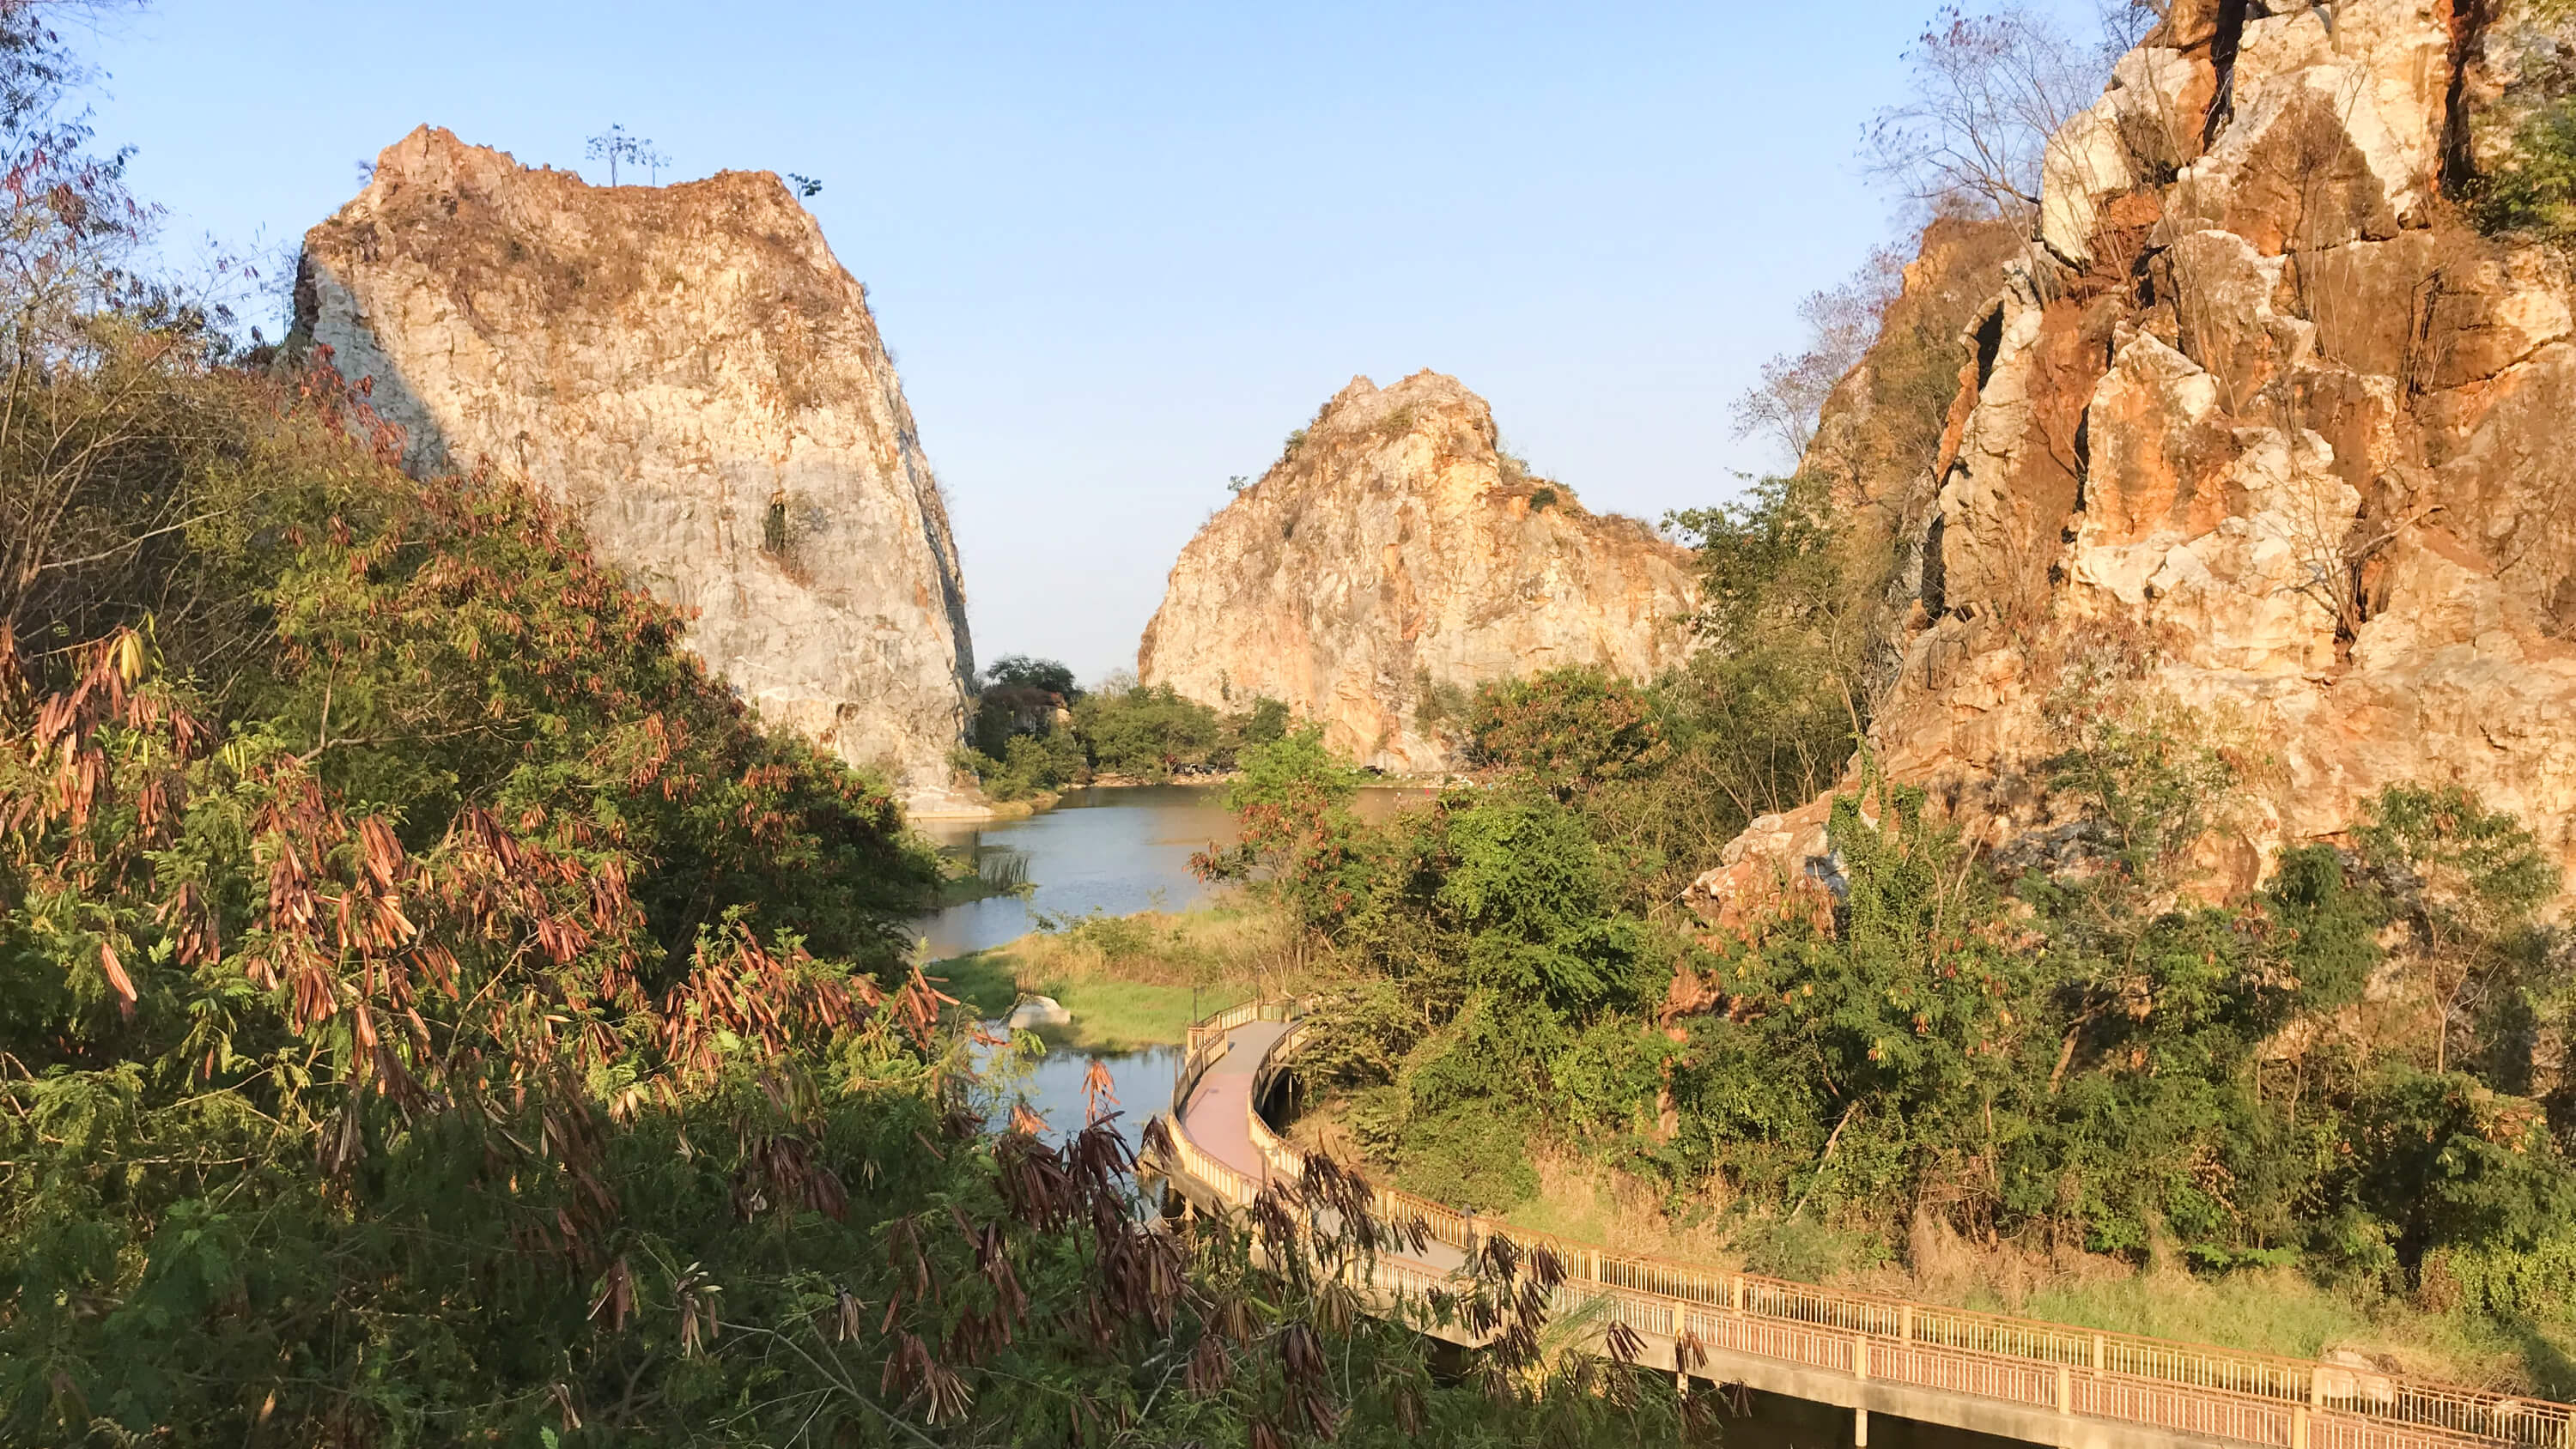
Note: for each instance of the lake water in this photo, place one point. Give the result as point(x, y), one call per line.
point(1116, 849)
point(1141, 1082)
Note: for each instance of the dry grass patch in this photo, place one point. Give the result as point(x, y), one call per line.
point(1610, 1209)
point(1233, 944)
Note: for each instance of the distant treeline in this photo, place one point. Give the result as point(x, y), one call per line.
point(1035, 732)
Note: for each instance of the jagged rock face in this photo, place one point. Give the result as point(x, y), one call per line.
point(2258, 427)
point(690, 369)
point(1393, 559)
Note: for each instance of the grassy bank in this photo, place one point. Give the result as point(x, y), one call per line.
point(1133, 981)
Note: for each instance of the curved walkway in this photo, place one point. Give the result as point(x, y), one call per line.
point(2023, 1379)
point(1218, 1114)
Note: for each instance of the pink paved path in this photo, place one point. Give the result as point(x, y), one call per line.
point(1218, 1115)
point(1218, 1118)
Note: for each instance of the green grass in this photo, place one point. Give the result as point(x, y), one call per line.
point(1131, 981)
point(983, 983)
point(1108, 1014)
point(1122, 1015)
point(2269, 1312)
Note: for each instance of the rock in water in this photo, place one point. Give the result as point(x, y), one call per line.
point(1038, 1011)
point(690, 369)
point(1394, 558)
point(2258, 439)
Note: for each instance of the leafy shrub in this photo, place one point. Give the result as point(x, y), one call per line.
point(1438, 704)
point(2079, 1058)
point(1568, 731)
point(2537, 1282)
point(2464, 881)
point(2535, 189)
point(1030, 765)
point(1267, 721)
point(1469, 1159)
point(1293, 799)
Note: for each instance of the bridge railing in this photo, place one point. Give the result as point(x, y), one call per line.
point(2188, 1388)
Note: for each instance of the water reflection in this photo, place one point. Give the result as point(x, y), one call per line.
point(1141, 1081)
point(1118, 850)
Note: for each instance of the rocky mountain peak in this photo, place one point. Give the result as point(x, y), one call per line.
point(692, 370)
point(1393, 558)
point(2258, 440)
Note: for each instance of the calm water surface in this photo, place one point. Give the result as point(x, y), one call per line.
point(1114, 849)
point(1141, 1081)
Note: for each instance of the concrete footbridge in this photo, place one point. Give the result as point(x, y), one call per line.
point(2022, 1379)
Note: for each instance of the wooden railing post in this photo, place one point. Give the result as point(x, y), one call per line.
point(1905, 1324)
point(1860, 1356)
point(2065, 1389)
point(2299, 1426)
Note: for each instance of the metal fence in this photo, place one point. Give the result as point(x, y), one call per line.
point(2185, 1388)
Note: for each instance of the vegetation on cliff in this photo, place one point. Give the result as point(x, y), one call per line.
point(2353, 1072)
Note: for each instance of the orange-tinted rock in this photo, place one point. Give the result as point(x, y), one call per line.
point(2323, 494)
point(1392, 560)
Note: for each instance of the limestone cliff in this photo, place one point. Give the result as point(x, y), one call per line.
point(1393, 559)
point(690, 369)
point(2258, 427)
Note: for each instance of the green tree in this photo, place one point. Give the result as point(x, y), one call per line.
point(2465, 881)
point(2534, 188)
point(1567, 731)
point(1772, 704)
point(1020, 671)
point(1149, 733)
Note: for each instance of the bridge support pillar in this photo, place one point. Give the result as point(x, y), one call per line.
point(1860, 1429)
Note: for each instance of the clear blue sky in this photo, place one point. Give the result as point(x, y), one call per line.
point(1121, 249)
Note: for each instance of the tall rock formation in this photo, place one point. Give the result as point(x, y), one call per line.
point(1393, 559)
point(2259, 436)
point(690, 369)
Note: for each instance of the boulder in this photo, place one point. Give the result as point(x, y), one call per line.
point(1034, 1012)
